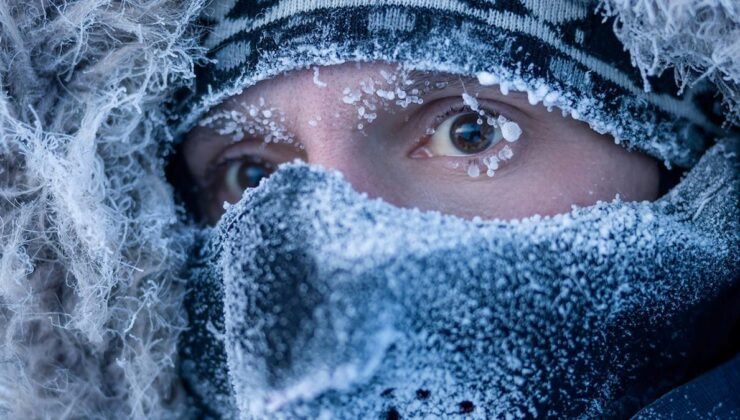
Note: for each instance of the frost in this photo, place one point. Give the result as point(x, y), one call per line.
point(389, 91)
point(470, 101)
point(316, 80)
point(386, 94)
point(536, 96)
point(491, 163)
point(256, 120)
point(350, 96)
point(473, 169)
point(511, 131)
point(550, 99)
point(487, 79)
point(665, 36)
point(506, 153)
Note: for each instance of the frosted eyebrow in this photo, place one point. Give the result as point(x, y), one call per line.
point(247, 120)
point(427, 82)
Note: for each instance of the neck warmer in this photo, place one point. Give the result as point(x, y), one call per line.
point(311, 300)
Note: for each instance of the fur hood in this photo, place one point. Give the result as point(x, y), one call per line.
point(90, 242)
point(90, 299)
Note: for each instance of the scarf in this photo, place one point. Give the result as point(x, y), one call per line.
point(310, 300)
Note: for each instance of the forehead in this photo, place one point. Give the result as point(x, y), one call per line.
point(317, 85)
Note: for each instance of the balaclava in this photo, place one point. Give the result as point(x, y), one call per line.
point(309, 300)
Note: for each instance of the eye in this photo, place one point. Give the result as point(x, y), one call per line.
point(241, 174)
point(464, 134)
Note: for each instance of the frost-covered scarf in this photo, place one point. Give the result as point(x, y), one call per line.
point(326, 304)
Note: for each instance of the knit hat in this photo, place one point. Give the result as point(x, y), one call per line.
point(562, 53)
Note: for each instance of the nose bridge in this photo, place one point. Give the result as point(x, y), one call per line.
point(325, 126)
point(338, 148)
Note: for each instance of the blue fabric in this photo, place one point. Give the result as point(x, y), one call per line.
point(313, 300)
point(714, 395)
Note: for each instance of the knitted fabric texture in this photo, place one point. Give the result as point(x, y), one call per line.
point(313, 301)
point(562, 53)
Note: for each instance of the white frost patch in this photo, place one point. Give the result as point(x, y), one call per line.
point(511, 131)
point(350, 96)
point(473, 169)
point(487, 79)
point(506, 153)
point(470, 101)
point(491, 163)
point(316, 80)
point(550, 99)
point(536, 96)
point(341, 378)
point(386, 94)
point(257, 120)
point(373, 94)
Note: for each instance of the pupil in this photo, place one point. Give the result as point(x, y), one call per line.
point(470, 137)
point(250, 175)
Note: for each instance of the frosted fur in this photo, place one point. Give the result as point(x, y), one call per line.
point(89, 247)
point(698, 40)
point(593, 313)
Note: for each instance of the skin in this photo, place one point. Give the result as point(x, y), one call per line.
point(557, 162)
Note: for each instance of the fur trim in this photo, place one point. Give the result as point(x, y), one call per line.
point(697, 39)
point(90, 307)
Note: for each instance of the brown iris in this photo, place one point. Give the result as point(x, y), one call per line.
point(470, 137)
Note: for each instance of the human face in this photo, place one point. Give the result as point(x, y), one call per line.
point(426, 140)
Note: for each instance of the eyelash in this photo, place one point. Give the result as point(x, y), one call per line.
point(459, 108)
point(451, 110)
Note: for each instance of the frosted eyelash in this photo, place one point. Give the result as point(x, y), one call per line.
point(510, 131)
point(491, 118)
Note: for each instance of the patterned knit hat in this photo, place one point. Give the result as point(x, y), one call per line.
point(561, 52)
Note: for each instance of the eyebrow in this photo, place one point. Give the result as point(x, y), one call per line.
point(422, 79)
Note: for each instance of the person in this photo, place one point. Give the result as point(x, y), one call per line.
point(349, 209)
point(405, 227)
